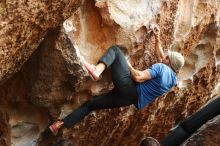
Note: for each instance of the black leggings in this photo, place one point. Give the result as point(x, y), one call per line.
point(123, 94)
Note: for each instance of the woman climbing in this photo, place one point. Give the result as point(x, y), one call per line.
point(131, 86)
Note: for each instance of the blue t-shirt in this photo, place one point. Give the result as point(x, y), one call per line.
point(163, 78)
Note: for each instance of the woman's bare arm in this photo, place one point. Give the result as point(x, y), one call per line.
point(158, 49)
point(139, 76)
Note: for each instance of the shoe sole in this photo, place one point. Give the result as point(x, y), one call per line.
point(91, 72)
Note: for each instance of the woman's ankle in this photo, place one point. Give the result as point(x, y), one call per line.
point(59, 124)
point(100, 67)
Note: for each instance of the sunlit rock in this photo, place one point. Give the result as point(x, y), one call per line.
point(42, 47)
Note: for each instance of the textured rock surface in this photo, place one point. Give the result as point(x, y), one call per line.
point(23, 26)
point(22, 122)
point(207, 135)
point(5, 128)
point(52, 82)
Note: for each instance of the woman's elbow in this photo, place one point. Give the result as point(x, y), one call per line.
point(135, 78)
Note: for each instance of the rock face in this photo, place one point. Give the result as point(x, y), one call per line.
point(5, 128)
point(206, 135)
point(24, 25)
point(42, 77)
